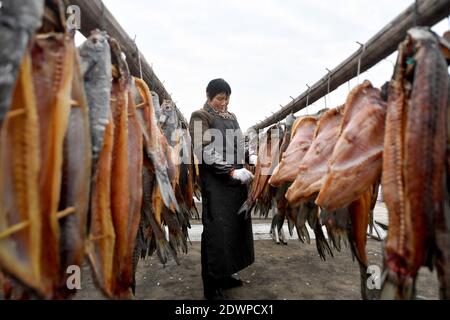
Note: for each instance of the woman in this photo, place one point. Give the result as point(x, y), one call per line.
point(227, 238)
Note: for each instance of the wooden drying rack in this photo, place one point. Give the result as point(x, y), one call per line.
point(380, 46)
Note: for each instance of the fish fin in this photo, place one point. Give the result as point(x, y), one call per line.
point(167, 192)
point(300, 225)
point(303, 234)
point(291, 227)
point(244, 208)
point(322, 244)
point(177, 238)
point(164, 251)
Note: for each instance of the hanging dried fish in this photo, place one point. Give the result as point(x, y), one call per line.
point(156, 146)
point(102, 236)
point(126, 183)
point(52, 79)
point(261, 193)
point(75, 188)
point(313, 167)
point(302, 137)
point(97, 73)
point(356, 162)
point(414, 155)
point(20, 213)
point(95, 56)
point(19, 19)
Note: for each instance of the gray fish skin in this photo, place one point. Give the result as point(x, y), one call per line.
point(19, 19)
point(95, 56)
point(156, 104)
point(168, 121)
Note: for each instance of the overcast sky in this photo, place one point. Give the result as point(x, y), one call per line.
point(267, 50)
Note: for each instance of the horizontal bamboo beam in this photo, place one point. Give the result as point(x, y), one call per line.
point(95, 15)
point(384, 43)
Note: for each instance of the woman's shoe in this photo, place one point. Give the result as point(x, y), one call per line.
point(215, 294)
point(230, 282)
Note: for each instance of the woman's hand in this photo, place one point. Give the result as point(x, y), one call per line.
point(242, 175)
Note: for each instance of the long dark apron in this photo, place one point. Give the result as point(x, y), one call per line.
point(227, 238)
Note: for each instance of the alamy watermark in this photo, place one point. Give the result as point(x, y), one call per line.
point(73, 21)
point(73, 281)
point(374, 280)
point(73, 17)
point(230, 146)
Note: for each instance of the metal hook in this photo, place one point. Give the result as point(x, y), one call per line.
point(103, 17)
point(328, 87)
point(293, 102)
point(363, 47)
point(139, 57)
point(307, 100)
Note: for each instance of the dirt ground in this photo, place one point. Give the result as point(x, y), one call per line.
point(280, 272)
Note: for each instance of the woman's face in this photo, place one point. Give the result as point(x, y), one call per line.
point(220, 101)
